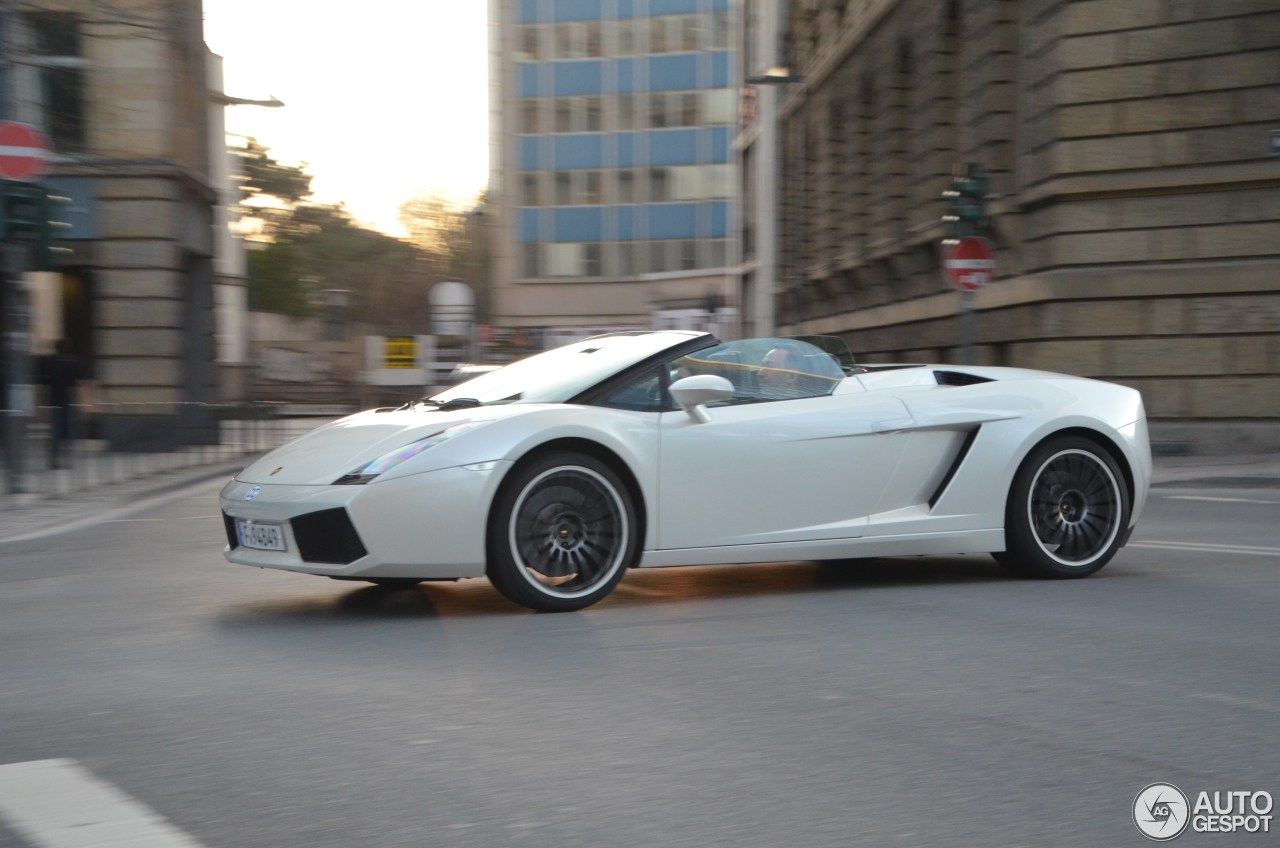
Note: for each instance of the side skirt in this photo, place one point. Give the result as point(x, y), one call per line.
point(963, 542)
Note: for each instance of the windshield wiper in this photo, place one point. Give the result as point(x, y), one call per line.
point(457, 403)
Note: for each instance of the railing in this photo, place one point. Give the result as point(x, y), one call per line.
point(194, 435)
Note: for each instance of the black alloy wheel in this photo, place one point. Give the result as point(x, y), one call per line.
point(1067, 511)
point(562, 533)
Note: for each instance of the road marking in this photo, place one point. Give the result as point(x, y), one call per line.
point(1234, 701)
point(155, 520)
point(1201, 547)
point(1219, 500)
point(60, 804)
point(113, 514)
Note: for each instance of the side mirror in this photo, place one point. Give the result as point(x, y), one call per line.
point(692, 392)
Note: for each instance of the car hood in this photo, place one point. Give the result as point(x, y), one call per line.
point(343, 446)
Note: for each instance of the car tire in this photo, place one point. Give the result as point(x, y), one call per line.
point(562, 533)
point(1067, 511)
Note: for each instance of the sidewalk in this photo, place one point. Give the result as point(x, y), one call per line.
point(30, 516)
point(99, 485)
point(1236, 471)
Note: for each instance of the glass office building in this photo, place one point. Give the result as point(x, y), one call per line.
point(615, 122)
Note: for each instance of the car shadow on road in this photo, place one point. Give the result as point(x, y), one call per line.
point(476, 597)
point(726, 582)
point(426, 600)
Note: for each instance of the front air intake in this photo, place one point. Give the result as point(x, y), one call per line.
point(327, 537)
point(229, 523)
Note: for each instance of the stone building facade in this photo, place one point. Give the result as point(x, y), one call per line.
point(121, 88)
point(1135, 182)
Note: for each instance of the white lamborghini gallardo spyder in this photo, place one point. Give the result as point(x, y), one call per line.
point(555, 474)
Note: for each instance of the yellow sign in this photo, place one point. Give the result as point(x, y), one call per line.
point(401, 352)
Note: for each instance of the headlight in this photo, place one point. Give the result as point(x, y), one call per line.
point(388, 461)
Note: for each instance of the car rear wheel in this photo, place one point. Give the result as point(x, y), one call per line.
point(562, 533)
point(1067, 512)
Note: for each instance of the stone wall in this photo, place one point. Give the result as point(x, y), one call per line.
point(1137, 207)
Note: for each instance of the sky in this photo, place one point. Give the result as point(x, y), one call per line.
point(384, 99)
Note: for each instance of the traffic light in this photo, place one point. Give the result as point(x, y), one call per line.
point(28, 212)
point(967, 203)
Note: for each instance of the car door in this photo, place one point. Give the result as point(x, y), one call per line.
point(794, 470)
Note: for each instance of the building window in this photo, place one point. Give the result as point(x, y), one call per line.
point(574, 259)
point(626, 251)
point(720, 32)
point(659, 185)
point(564, 42)
point(578, 40)
point(626, 111)
point(564, 188)
point(531, 109)
point(720, 182)
point(687, 25)
point(532, 254)
point(626, 186)
point(592, 253)
point(593, 44)
point(688, 254)
point(658, 256)
point(593, 114)
point(532, 188)
point(562, 260)
point(528, 49)
point(689, 109)
point(657, 110)
point(578, 114)
point(626, 30)
point(686, 182)
point(657, 35)
point(564, 114)
point(720, 105)
point(718, 254)
point(591, 194)
point(56, 54)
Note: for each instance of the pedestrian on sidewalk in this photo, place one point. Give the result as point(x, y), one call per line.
point(61, 371)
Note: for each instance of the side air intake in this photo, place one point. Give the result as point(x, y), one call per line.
point(959, 378)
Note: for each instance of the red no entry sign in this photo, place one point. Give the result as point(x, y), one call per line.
point(970, 263)
point(24, 152)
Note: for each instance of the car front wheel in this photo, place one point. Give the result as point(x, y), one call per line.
point(1067, 510)
point(562, 533)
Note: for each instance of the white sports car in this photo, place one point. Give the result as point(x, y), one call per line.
point(557, 473)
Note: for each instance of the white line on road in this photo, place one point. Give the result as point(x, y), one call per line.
point(156, 520)
point(1201, 547)
point(111, 514)
point(60, 804)
point(1219, 500)
point(1234, 701)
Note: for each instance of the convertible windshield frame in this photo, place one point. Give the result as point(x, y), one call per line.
point(570, 373)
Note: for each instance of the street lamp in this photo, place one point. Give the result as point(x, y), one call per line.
point(763, 214)
point(775, 76)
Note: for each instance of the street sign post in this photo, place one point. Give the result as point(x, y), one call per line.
point(969, 264)
point(25, 152)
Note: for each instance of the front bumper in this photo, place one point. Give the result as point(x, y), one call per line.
point(428, 526)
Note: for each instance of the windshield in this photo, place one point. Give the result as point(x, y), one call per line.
point(556, 376)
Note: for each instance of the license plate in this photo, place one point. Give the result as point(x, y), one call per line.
point(261, 537)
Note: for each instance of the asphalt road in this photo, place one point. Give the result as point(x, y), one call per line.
point(929, 701)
